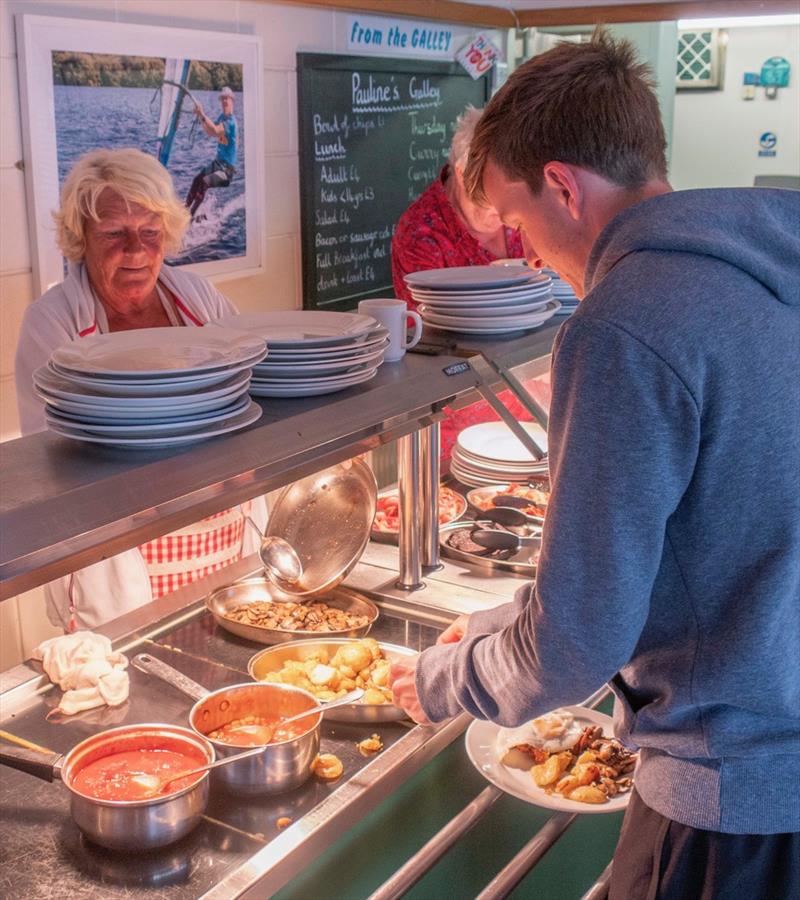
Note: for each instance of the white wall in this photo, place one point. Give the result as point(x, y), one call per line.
point(715, 141)
point(284, 30)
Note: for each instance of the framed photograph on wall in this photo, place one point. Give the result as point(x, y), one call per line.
point(87, 84)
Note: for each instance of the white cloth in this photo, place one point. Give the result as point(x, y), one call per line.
point(115, 586)
point(86, 669)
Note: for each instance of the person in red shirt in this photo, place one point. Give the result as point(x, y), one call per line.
point(442, 229)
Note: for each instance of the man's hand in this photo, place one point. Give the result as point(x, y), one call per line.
point(454, 632)
point(198, 111)
point(402, 680)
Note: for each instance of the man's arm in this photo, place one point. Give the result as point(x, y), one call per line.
point(624, 437)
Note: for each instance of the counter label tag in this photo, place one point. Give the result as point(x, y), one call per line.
point(456, 368)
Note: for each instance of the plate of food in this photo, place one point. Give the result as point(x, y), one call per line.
point(532, 498)
point(567, 760)
point(330, 668)
point(386, 525)
point(257, 610)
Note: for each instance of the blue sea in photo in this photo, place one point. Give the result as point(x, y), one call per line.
point(91, 117)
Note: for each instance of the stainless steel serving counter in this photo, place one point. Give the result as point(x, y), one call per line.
point(238, 843)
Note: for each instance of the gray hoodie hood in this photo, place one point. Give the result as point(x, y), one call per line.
point(755, 229)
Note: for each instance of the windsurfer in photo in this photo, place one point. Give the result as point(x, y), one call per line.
point(220, 171)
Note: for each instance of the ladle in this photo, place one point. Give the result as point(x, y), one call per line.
point(264, 733)
point(502, 540)
point(155, 784)
point(281, 563)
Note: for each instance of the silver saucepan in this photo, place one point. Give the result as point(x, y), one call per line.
point(282, 766)
point(125, 824)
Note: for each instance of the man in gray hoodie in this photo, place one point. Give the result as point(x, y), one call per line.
point(670, 563)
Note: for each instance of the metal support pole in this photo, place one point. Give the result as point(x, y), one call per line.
point(429, 465)
point(408, 469)
point(426, 857)
point(510, 876)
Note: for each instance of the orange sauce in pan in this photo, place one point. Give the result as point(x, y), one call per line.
point(113, 777)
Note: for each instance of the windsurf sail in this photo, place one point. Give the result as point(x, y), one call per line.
point(173, 90)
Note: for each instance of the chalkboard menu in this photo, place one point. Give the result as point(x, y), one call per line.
point(374, 133)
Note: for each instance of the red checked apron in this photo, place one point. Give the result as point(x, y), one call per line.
point(181, 557)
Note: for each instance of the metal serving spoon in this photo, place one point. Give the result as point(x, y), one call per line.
point(264, 733)
point(510, 518)
point(281, 562)
point(156, 784)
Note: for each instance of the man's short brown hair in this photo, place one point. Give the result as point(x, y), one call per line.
point(591, 105)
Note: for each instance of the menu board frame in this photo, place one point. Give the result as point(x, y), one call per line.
point(307, 65)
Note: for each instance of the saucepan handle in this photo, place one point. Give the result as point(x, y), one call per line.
point(42, 765)
point(148, 664)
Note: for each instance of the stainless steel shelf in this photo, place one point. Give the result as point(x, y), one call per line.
point(66, 505)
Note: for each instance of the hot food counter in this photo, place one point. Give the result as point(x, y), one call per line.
point(66, 506)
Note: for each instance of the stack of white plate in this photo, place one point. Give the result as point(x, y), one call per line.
point(312, 352)
point(483, 299)
point(151, 387)
point(563, 292)
point(490, 453)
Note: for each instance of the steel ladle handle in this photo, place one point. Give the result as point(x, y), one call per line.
point(148, 664)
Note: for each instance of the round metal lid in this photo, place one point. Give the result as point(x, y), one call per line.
point(326, 518)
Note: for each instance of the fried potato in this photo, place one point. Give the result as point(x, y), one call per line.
point(548, 772)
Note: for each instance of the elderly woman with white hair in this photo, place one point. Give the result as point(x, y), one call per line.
point(442, 229)
point(119, 216)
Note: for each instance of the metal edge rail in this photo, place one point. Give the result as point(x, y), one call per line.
point(286, 856)
point(424, 860)
point(599, 890)
point(510, 875)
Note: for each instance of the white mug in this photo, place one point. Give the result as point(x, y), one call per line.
point(393, 314)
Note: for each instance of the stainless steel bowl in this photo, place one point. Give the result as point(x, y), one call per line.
point(520, 564)
point(255, 590)
point(282, 766)
point(137, 824)
point(391, 537)
point(273, 659)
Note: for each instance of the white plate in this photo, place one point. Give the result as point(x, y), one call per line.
point(302, 327)
point(314, 389)
point(469, 328)
point(233, 423)
point(480, 311)
point(466, 476)
point(470, 303)
point(311, 380)
point(479, 741)
point(287, 369)
point(146, 427)
point(370, 341)
point(151, 411)
point(153, 386)
point(460, 277)
point(534, 284)
point(523, 320)
point(68, 389)
point(158, 351)
point(494, 441)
